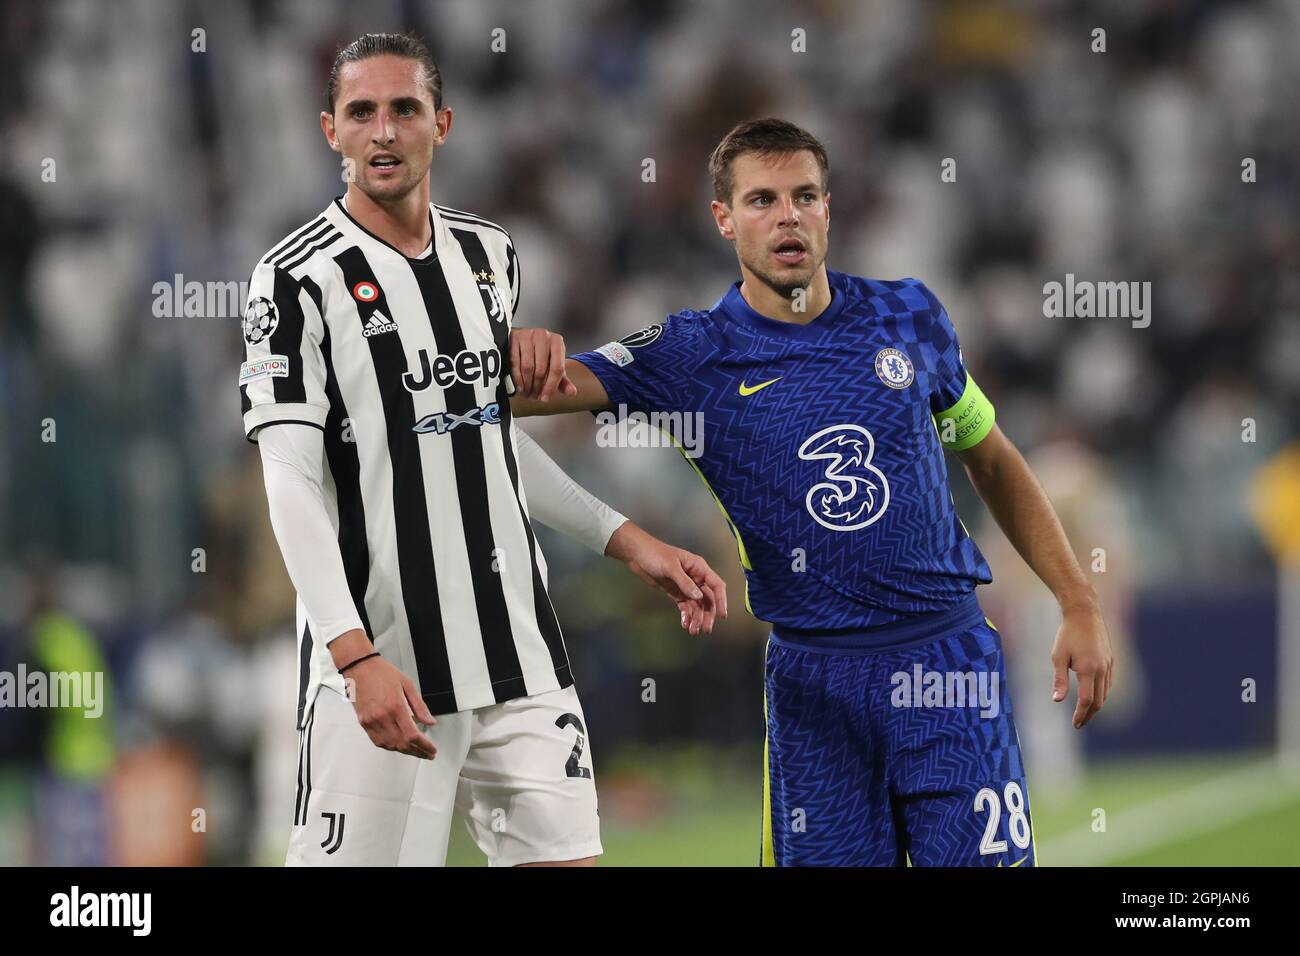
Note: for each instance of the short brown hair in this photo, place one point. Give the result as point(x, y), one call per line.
point(406, 45)
point(765, 137)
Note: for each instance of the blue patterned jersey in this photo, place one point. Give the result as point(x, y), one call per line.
point(823, 445)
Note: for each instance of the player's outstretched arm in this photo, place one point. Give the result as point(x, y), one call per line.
point(1022, 509)
point(697, 590)
point(559, 502)
point(545, 382)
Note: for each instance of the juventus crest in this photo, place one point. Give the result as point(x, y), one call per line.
point(487, 287)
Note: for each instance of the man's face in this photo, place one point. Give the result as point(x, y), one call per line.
point(778, 217)
point(385, 126)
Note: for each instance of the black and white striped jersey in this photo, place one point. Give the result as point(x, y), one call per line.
point(402, 363)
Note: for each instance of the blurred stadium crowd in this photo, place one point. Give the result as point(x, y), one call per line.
point(170, 161)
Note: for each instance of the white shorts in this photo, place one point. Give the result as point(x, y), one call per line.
point(519, 772)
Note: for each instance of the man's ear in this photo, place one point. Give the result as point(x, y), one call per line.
point(722, 216)
point(828, 211)
point(327, 127)
point(443, 121)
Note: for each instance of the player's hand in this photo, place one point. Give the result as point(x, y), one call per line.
point(537, 364)
point(388, 704)
point(1083, 646)
point(697, 590)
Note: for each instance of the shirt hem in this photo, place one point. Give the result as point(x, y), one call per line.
point(920, 629)
point(485, 695)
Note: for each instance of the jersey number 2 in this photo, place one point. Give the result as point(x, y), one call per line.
point(571, 768)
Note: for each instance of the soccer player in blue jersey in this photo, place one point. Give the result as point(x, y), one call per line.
point(826, 402)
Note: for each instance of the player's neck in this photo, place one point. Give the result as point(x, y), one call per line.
point(801, 310)
point(403, 224)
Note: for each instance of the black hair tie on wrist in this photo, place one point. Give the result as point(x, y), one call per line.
point(345, 667)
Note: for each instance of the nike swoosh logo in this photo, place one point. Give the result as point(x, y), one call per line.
point(1018, 862)
point(747, 390)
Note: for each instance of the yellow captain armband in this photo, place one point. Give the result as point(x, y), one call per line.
point(968, 422)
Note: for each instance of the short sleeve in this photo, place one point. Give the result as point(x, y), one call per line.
point(962, 414)
point(651, 369)
point(282, 378)
point(512, 277)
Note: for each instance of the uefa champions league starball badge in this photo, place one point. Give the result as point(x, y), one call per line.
point(894, 368)
point(260, 320)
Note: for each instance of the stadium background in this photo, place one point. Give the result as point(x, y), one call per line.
point(1123, 165)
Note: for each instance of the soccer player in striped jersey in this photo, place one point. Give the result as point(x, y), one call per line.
point(827, 401)
point(378, 340)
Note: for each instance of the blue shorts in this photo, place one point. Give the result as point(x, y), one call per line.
point(894, 745)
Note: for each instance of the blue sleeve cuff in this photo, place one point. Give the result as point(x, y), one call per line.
point(609, 375)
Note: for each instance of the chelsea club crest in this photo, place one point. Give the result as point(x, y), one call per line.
point(894, 368)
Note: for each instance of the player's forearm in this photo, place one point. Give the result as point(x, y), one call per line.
point(559, 502)
point(290, 459)
point(528, 407)
point(590, 396)
point(1025, 514)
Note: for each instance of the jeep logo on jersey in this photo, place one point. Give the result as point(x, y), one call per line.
point(642, 337)
point(854, 493)
point(442, 422)
point(487, 287)
point(445, 371)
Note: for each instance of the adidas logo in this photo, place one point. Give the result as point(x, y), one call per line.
point(378, 324)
